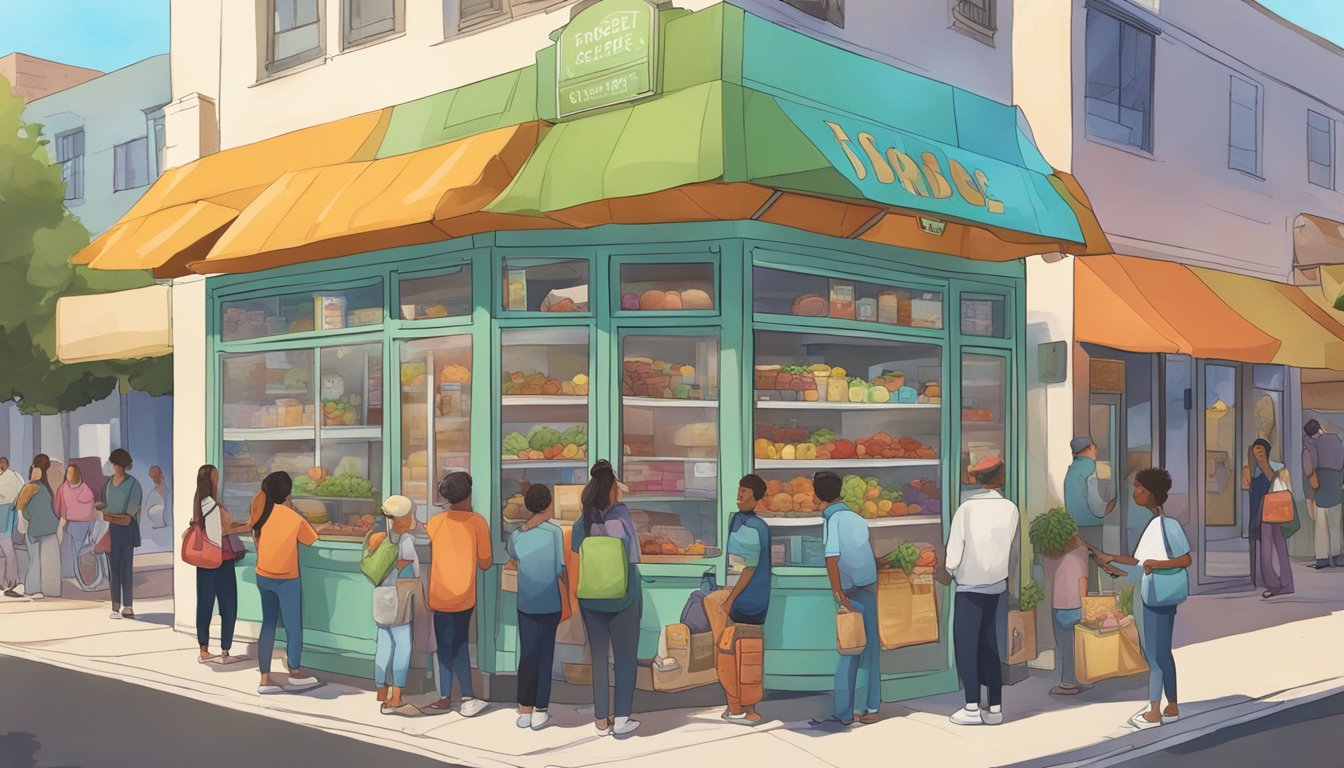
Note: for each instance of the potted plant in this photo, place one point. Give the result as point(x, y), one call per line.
point(1053, 533)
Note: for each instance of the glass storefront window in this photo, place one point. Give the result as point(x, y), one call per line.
point(984, 402)
point(342, 485)
point(670, 443)
point(435, 380)
point(544, 416)
point(302, 312)
point(780, 292)
point(985, 316)
point(533, 284)
point(1226, 552)
point(438, 296)
point(869, 410)
point(668, 287)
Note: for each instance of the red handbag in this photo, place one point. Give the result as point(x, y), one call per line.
point(1278, 504)
point(198, 550)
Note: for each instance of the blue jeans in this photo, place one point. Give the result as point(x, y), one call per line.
point(976, 644)
point(453, 631)
point(281, 600)
point(536, 636)
point(392, 660)
point(1065, 620)
point(864, 600)
point(1159, 624)
point(615, 635)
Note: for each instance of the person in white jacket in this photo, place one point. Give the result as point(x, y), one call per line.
point(981, 552)
point(11, 483)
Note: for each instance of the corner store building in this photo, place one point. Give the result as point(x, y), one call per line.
point(758, 174)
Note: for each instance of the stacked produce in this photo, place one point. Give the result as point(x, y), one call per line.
point(359, 529)
point(520, 383)
point(646, 377)
point(976, 414)
point(915, 558)
point(819, 382)
point(789, 443)
point(342, 412)
point(344, 485)
point(789, 383)
point(543, 443)
point(864, 495)
point(693, 298)
point(659, 544)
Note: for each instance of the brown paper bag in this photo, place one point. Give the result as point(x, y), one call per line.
point(850, 638)
point(905, 616)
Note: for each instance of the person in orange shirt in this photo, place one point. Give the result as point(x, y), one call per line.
point(459, 541)
point(278, 531)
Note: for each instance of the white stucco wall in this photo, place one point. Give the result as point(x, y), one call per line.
point(1049, 406)
point(918, 37)
point(190, 366)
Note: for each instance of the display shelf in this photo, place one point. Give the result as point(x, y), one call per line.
point(633, 498)
point(800, 405)
point(543, 463)
point(884, 522)
point(842, 463)
point(710, 554)
point(712, 459)
point(516, 400)
point(666, 402)
point(241, 434)
point(352, 433)
point(362, 499)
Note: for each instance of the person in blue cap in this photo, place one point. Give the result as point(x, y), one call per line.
point(1082, 499)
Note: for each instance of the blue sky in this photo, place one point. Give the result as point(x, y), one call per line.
point(99, 34)
point(109, 34)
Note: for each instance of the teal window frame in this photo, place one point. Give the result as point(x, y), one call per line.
point(499, 263)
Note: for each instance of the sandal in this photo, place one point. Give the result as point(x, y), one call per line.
point(441, 707)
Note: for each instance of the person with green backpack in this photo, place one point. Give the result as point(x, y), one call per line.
point(391, 562)
point(610, 598)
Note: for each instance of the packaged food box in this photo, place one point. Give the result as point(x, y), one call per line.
point(866, 310)
point(516, 290)
point(926, 311)
point(329, 313)
point(842, 299)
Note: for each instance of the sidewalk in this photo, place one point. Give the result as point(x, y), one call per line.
point(1285, 653)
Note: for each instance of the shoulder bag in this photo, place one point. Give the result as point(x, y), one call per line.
point(197, 549)
point(1277, 507)
point(1165, 587)
point(376, 564)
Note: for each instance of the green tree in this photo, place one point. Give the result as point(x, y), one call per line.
point(38, 236)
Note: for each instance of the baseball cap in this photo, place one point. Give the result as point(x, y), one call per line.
point(398, 506)
point(1080, 444)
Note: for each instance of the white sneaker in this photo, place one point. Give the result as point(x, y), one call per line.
point(1139, 721)
point(525, 720)
point(115, 615)
point(990, 717)
point(295, 684)
point(37, 596)
point(965, 716)
point(624, 726)
point(472, 707)
point(602, 731)
point(540, 718)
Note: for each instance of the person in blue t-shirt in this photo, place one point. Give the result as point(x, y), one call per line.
point(538, 548)
point(740, 660)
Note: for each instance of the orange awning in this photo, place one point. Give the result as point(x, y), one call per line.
point(1143, 305)
point(1317, 240)
point(339, 210)
point(180, 215)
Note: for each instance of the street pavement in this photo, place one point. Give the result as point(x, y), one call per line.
point(57, 718)
point(1304, 735)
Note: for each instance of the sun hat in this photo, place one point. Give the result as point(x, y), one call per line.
point(398, 506)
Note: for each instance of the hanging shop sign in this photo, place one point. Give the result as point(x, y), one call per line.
point(606, 56)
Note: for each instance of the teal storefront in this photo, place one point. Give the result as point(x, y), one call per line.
point(784, 259)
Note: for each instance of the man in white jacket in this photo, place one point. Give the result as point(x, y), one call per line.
point(981, 552)
point(11, 483)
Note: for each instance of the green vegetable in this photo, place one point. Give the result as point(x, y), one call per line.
point(514, 444)
point(1049, 533)
point(542, 437)
point(344, 485)
point(1031, 595)
point(871, 481)
point(852, 489)
point(795, 369)
point(304, 486)
point(905, 556)
point(823, 435)
point(1125, 600)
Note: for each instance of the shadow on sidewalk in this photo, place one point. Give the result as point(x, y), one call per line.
point(1209, 617)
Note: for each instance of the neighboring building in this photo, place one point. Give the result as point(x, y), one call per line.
point(407, 193)
point(32, 78)
point(1207, 137)
point(107, 135)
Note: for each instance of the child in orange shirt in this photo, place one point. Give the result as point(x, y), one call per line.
point(459, 541)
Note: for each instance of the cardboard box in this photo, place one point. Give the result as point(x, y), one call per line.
point(692, 652)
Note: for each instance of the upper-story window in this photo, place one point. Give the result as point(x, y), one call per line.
point(70, 156)
point(293, 33)
point(1119, 91)
point(1320, 150)
point(470, 15)
point(130, 164)
point(826, 10)
point(978, 18)
point(1243, 126)
point(368, 20)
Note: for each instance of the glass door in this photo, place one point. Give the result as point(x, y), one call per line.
point(984, 411)
point(435, 385)
point(1225, 550)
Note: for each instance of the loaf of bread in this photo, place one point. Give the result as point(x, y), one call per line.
point(810, 305)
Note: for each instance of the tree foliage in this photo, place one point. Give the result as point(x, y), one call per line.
point(38, 236)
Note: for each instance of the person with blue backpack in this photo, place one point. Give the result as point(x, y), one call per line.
point(610, 598)
point(1163, 555)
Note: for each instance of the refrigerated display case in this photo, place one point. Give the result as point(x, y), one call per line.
point(670, 443)
point(435, 383)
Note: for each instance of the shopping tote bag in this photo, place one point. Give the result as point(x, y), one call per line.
point(850, 638)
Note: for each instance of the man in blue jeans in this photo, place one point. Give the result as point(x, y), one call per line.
point(852, 569)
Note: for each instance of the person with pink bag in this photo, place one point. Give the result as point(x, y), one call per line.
point(213, 537)
point(1273, 517)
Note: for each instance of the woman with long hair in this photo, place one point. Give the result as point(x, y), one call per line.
point(121, 508)
point(1258, 478)
point(279, 531)
point(1163, 553)
point(218, 584)
point(612, 621)
point(37, 507)
point(75, 508)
